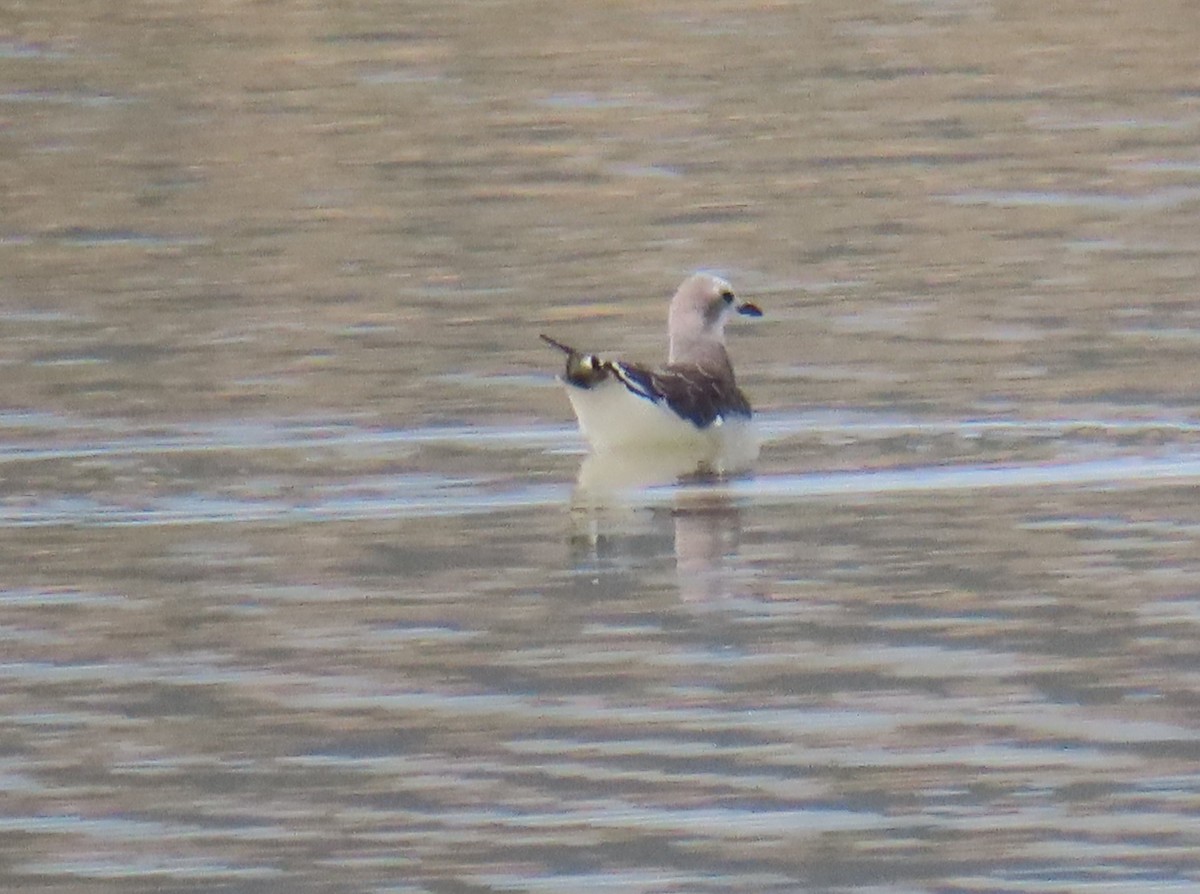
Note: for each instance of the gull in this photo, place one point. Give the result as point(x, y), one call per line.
point(691, 404)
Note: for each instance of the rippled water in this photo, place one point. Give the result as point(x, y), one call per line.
point(308, 586)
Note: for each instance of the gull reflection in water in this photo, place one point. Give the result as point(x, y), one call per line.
point(630, 509)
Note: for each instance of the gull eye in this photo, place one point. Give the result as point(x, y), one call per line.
point(727, 296)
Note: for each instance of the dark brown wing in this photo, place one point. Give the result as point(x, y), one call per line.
point(689, 390)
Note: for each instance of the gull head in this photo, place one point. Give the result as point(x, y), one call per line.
point(701, 307)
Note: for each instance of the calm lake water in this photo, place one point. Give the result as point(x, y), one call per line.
point(300, 591)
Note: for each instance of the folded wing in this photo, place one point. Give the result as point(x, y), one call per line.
point(689, 390)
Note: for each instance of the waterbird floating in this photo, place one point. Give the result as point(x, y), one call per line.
point(691, 405)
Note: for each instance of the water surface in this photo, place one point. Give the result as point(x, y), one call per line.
point(299, 590)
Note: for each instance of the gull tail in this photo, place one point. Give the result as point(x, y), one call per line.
point(566, 349)
point(583, 370)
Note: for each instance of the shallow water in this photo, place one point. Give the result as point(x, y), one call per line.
point(299, 591)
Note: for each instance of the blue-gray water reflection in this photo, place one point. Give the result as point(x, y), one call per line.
point(781, 678)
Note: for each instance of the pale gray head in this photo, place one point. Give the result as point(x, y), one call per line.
point(696, 324)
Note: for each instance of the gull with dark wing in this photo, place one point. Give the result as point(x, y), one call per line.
point(692, 403)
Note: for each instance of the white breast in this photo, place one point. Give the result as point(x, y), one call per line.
point(613, 419)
